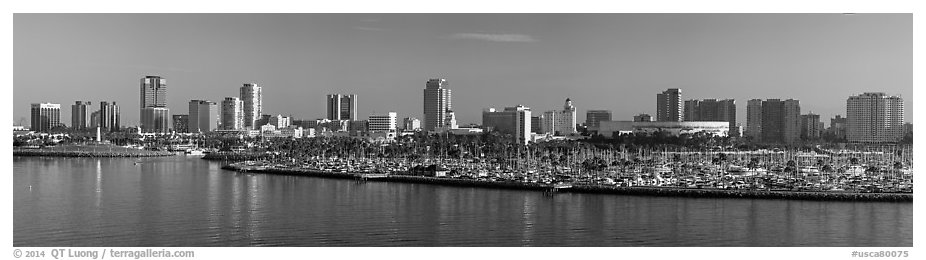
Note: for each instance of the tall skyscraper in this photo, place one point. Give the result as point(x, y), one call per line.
point(781, 121)
point(342, 107)
point(45, 116)
point(515, 121)
point(109, 116)
point(811, 127)
point(754, 118)
point(669, 105)
point(232, 113)
point(711, 110)
point(80, 114)
point(874, 117)
point(592, 117)
point(251, 97)
point(204, 116)
point(155, 120)
point(385, 122)
point(153, 95)
point(437, 102)
point(153, 92)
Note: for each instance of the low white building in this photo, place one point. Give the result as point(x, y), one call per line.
point(608, 128)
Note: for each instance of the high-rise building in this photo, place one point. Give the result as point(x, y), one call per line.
point(181, 123)
point(535, 123)
point(45, 116)
point(155, 120)
point(109, 116)
point(153, 92)
point(411, 124)
point(95, 119)
point(669, 105)
point(566, 120)
point(251, 97)
point(754, 118)
point(781, 121)
point(80, 114)
point(874, 117)
point(548, 122)
point(232, 114)
point(342, 107)
point(280, 121)
point(643, 118)
point(385, 122)
point(838, 127)
point(811, 127)
point(204, 116)
point(711, 110)
point(515, 121)
point(592, 117)
point(437, 103)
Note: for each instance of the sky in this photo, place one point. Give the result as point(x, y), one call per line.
point(617, 62)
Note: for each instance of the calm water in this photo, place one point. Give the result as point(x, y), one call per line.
point(191, 202)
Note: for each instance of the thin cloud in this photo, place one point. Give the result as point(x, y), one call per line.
point(494, 37)
point(364, 28)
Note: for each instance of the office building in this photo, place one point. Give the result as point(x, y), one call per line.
point(45, 116)
point(203, 116)
point(232, 114)
point(280, 121)
point(342, 107)
point(811, 127)
point(437, 103)
point(153, 94)
point(711, 110)
point(838, 127)
point(592, 117)
point(643, 118)
point(411, 124)
point(874, 117)
point(754, 119)
point(385, 122)
point(535, 123)
point(252, 105)
point(80, 114)
point(669, 105)
point(515, 121)
point(109, 117)
point(781, 121)
point(95, 119)
point(181, 123)
point(155, 120)
point(559, 122)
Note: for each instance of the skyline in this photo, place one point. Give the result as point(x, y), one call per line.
point(494, 60)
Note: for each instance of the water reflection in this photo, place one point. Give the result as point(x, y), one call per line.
point(181, 202)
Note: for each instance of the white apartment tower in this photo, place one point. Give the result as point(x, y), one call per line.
point(251, 96)
point(874, 117)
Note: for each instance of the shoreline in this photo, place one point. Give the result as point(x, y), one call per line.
point(598, 189)
point(89, 153)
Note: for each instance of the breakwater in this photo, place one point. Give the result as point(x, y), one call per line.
point(89, 151)
point(235, 156)
point(636, 191)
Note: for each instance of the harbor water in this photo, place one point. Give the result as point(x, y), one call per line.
point(185, 201)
